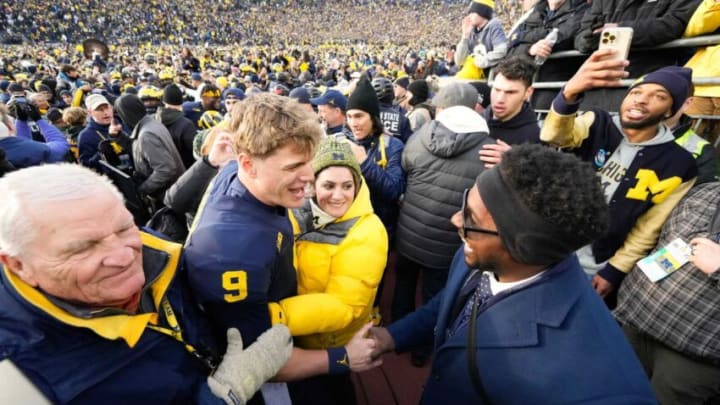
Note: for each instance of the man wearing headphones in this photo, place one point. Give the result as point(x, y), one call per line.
point(518, 321)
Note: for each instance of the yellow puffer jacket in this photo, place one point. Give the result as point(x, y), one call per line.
point(704, 63)
point(339, 268)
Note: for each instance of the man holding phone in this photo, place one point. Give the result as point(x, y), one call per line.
point(643, 172)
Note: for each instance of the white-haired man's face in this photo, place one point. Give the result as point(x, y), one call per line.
point(86, 251)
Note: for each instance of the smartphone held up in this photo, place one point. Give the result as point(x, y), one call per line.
point(617, 39)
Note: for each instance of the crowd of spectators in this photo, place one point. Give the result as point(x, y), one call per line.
point(220, 22)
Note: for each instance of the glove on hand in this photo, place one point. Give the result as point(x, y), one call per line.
point(242, 372)
point(33, 113)
point(18, 111)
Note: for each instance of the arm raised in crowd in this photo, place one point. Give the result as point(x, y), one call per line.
point(55, 140)
point(57, 145)
point(461, 50)
point(562, 128)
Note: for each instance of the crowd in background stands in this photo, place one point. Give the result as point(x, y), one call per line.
point(220, 22)
point(329, 63)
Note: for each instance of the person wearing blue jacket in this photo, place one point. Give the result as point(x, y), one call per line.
point(94, 311)
point(102, 127)
point(518, 321)
point(239, 253)
point(392, 115)
point(17, 141)
point(379, 154)
point(209, 101)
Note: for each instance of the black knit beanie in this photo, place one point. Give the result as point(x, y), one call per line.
point(130, 109)
point(172, 95)
point(484, 8)
point(364, 98)
point(420, 91)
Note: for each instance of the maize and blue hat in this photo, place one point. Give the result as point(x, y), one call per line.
point(333, 98)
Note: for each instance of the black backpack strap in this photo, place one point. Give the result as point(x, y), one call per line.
point(472, 358)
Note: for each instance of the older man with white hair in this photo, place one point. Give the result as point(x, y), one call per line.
point(92, 309)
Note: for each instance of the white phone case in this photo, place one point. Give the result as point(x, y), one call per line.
point(617, 38)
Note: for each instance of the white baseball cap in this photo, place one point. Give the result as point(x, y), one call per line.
point(93, 101)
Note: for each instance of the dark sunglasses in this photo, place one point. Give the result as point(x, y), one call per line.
point(466, 220)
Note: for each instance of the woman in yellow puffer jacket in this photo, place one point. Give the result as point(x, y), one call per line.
point(705, 63)
point(340, 254)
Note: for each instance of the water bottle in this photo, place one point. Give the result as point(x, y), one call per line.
point(552, 37)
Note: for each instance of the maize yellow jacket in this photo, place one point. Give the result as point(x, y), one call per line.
point(339, 267)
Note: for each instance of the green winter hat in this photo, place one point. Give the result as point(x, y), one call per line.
point(335, 151)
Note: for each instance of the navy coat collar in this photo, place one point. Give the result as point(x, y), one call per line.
point(516, 314)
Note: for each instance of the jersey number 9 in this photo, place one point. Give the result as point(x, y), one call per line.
point(235, 283)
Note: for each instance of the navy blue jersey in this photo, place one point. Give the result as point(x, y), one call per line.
point(395, 122)
point(193, 110)
point(239, 256)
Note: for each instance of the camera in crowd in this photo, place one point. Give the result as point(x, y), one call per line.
point(21, 109)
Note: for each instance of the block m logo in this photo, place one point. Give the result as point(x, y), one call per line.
point(649, 185)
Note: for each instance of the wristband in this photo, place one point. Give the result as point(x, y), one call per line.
point(338, 362)
point(277, 315)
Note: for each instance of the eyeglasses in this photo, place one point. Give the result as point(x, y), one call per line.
point(466, 220)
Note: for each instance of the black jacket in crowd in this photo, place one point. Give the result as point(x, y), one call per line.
point(424, 231)
point(182, 131)
point(653, 23)
point(184, 196)
point(522, 128)
point(541, 21)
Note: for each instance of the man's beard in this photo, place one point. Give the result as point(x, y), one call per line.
point(487, 265)
point(647, 122)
